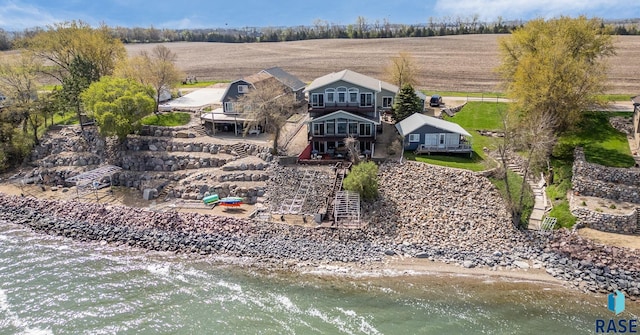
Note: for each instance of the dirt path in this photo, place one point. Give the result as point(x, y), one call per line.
point(619, 240)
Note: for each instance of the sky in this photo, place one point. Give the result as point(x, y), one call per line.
point(17, 15)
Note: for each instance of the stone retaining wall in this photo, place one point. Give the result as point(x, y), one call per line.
point(595, 180)
point(158, 131)
point(612, 223)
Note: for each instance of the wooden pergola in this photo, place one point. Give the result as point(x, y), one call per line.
point(347, 209)
point(92, 181)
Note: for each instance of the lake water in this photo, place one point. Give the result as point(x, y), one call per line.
point(51, 285)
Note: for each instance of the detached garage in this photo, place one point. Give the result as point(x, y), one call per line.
point(426, 134)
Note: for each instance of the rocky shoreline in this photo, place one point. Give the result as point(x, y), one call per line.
point(470, 230)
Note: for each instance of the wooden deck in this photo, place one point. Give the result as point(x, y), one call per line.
point(422, 149)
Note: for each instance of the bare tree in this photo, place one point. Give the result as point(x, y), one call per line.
point(352, 146)
point(534, 138)
point(157, 69)
point(267, 105)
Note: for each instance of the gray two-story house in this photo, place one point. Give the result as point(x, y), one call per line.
point(343, 104)
point(229, 118)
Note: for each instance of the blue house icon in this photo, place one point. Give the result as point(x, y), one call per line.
point(616, 302)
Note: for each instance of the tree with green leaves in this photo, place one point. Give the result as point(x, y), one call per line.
point(402, 69)
point(406, 103)
point(156, 69)
point(82, 72)
point(18, 82)
point(363, 179)
point(118, 105)
point(556, 66)
point(63, 43)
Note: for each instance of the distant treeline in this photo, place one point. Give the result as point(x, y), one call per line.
point(361, 29)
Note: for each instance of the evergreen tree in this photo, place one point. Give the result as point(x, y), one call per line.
point(407, 103)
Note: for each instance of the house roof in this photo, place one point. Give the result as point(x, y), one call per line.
point(353, 78)
point(197, 99)
point(346, 115)
point(417, 120)
point(636, 100)
point(286, 78)
point(257, 77)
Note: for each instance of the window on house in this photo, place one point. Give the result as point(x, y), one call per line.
point(331, 95)
point(243, 88)
point(228, 107)
point(366, 99)
point(414, 138)
point(331, 127)
point(317, 100)
point(342, 94)
point(353, 95)
point(387, 102)
point(353, 128)
point(318, 129)
point(365, 129)
point(342, 127)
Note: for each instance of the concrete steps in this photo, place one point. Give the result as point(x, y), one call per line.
point(239, 150)
point(164, 193)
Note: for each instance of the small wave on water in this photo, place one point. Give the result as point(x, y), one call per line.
point(9, 319)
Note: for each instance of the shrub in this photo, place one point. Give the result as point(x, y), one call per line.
point(363, 179)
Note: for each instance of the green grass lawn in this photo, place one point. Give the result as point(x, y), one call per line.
point(474, 116)
point(602, 145)
point(475, 163)
point(202, 84)
point(171, 119)
point(515, 184)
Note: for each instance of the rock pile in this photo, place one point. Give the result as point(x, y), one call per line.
point(593, 267)
point(445, 214)
point(188, 232)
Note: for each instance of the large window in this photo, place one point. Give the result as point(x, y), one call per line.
point(387, 102)
point(342, 95)
point(365, 129)
point(331, 127)
point(331, 95)
point(353, 95)
point(318, 129)
point(353, 128)
point(342, 127)
point(317, 100)
point(366, 99)
point(414, 138)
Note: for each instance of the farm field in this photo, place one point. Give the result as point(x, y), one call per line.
point(462, 63)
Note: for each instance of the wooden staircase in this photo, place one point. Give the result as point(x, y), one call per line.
point(294, 205)
point(537, 186)
point(341, 172)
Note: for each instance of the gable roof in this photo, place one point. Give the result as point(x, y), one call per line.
point(257, 77)
point(353, 78)
point(285, 78)
point(417, 120)
point(343, 114)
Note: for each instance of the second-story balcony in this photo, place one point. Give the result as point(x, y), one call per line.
point(330, 107)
